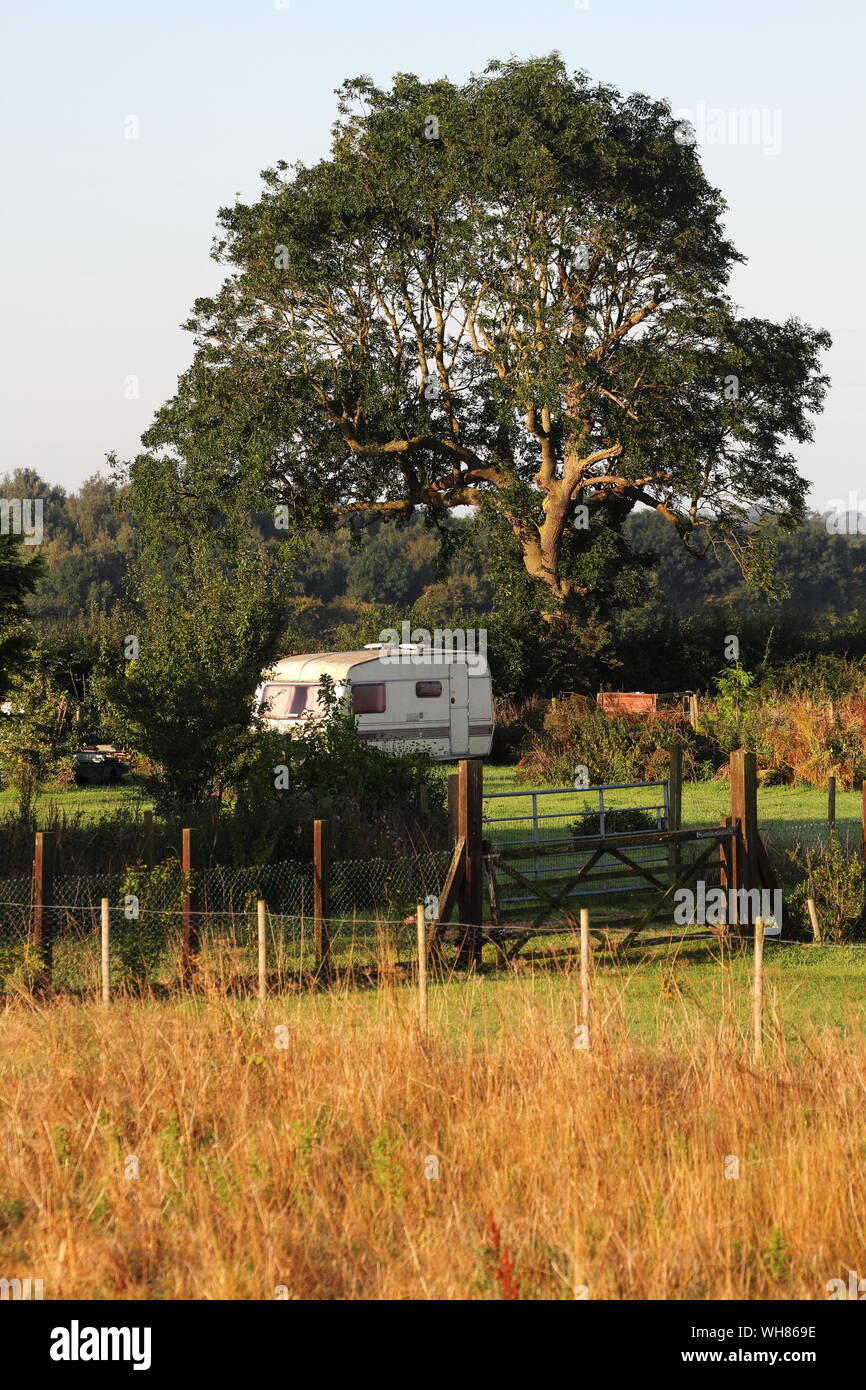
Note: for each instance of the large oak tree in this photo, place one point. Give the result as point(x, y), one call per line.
point(509, 293)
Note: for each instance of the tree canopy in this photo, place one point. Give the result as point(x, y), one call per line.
point(180, 690)
point(510, 294)
point(18, 576)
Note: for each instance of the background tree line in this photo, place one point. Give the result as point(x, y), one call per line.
point(349, 583)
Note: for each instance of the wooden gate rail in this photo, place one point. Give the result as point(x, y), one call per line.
point(554, 893)
point(735, 851)
point(621, 839)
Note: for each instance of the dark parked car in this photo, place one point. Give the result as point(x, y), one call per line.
point(99, 766)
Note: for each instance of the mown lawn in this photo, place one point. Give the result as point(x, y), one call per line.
point(654, 993)
point(786, 814)
point(86, 803)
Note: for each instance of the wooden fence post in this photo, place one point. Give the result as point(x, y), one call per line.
point(191, 903)
point(585, 960)
point(105, 929)
point(831, 804)
point(675, 806)
point(263, 950)
point(758, 996)
point(693, 711)
point(472, 888)
point(421, 923)
point(675, 787)
point(43, 900)
point(744, 808)
point(454, 803)
point(321, 896)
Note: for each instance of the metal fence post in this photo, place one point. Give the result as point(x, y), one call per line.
point(585, 965)
point(675, 807)
point(421, 923)
point(744, 807)
point(675, 788)
point(831, 804)
point(758, 991)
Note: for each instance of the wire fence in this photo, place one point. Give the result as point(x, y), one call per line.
point(146, 954)
point(369, 900)
point(369, 931)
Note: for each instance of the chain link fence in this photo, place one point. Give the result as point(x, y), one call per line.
point(370, 900)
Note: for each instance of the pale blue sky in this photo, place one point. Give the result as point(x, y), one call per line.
point(106, 239)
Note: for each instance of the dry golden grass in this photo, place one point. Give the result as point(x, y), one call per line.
point(309, 1166)
point(811, 740)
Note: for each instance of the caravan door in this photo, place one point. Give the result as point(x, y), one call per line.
point(459, 711)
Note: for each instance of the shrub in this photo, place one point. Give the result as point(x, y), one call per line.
point(615, 822)
point(516, 722)
point(141, 938)
point(370, 797)
point(809, 741)
point(614, 748)
point(36, 735)
point(822, 675)
point(835, 877)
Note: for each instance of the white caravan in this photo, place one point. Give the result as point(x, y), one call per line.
point(401, 696)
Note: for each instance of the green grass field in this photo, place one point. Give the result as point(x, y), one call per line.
point(88, 803)
point(656, 992)
point(786, 814)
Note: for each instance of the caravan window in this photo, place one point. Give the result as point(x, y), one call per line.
point(290, 701)
point(428, 690)
point(368, 699)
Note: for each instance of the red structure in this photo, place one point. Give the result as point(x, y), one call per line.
point(634, 702)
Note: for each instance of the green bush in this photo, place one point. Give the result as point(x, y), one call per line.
point(141, 938)
point(614, 748)
point(615, 822)
point(835, 876)
point(822, 675)
point(516, 722)
point(324, 771)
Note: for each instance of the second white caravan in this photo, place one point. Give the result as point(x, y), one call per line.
point(400, 696)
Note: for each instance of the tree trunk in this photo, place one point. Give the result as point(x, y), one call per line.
point(541, 547)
